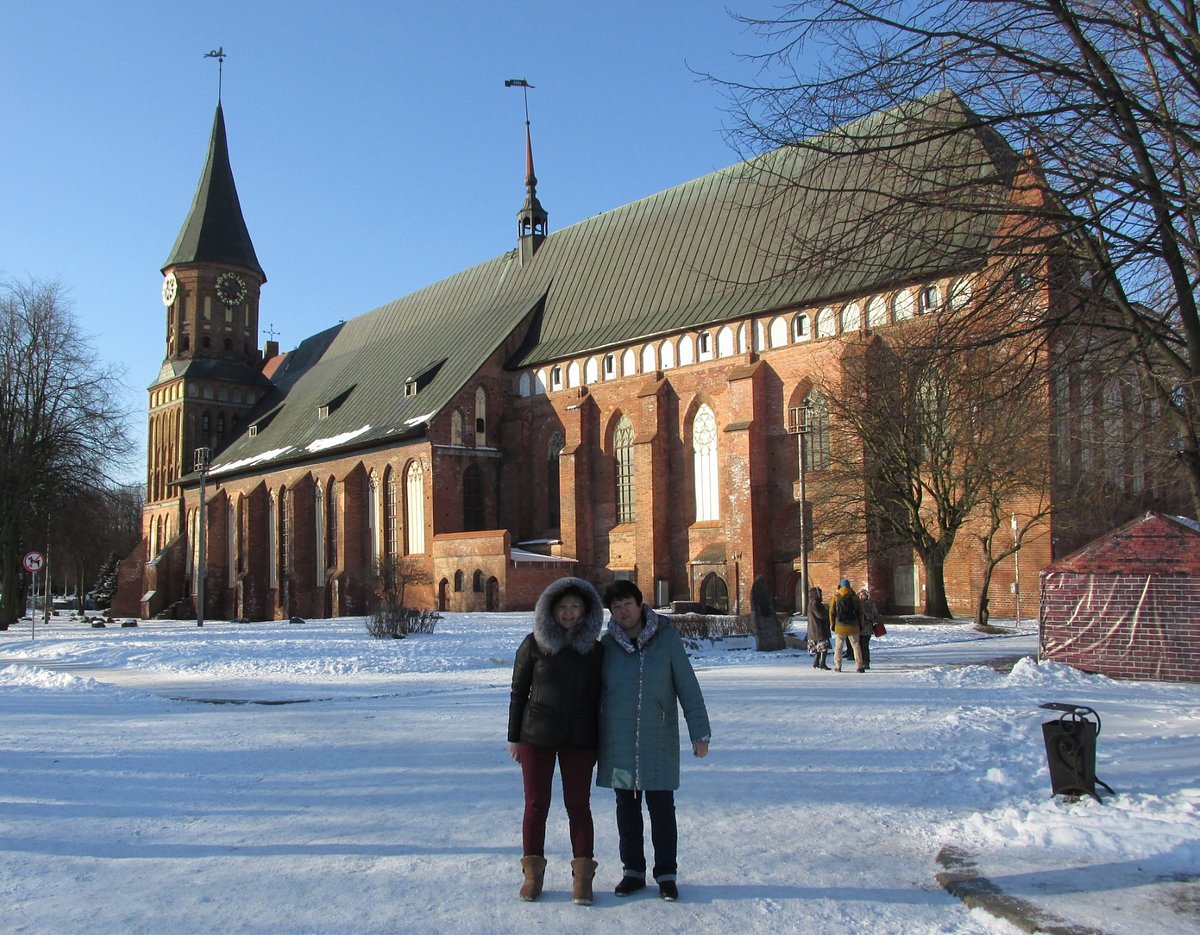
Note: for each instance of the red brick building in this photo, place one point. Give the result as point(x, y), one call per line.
point(1128, 604)
point(608, 400)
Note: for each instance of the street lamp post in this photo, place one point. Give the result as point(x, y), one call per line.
point(798, 426)
point(1016, 569)
point(203, 458)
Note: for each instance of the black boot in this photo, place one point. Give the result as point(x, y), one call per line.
point(824, 665)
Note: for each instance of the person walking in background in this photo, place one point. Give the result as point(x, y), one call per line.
point(646, 677)
point(846, 613)
point(870, 614)
point(818, 629)
point(553, 713)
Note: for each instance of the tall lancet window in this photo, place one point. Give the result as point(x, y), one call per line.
point(816, 447)
point(553, 494)
point(272, 545)
point(373, 519)
point(319, 536)
point(331, 524)
point(704, 459)
point(414, 502)
point(285, 533)
point(623, 458)
point(480, 418)
point(390, 539)
point(231, 543)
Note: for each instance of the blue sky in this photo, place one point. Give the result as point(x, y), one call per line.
point(374, 145)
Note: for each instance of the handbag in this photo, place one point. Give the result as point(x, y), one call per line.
point(879, 629)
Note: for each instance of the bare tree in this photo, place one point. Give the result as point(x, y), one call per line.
point(394, 574)
point(1102, 101)
point(930, 445)
point(62, 430)
point(87, 527)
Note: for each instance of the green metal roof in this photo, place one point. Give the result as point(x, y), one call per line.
point(215, 231)
point(715, 249)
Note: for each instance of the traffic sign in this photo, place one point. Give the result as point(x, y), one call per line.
point(34, 561)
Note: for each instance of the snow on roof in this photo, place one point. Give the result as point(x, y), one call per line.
point(251, 461)
point(417, 420)
point(520, 555)
point(332, 442)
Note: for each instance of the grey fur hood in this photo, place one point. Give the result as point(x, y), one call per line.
point(550, 636)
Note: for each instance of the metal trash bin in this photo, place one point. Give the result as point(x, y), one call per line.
point(1071, 750)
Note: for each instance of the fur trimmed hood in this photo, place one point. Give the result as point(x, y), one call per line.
point(550, 636)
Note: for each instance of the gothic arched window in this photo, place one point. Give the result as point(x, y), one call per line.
point(704, 463)
point(623, 462)
point(272, 545)
point(285, 534)
point(553, 503)
point(319, 534)
point(373, 519)
point(389, 514)
point(816, 448)
point(414, 508)
point(480, 417)
point(331, 525)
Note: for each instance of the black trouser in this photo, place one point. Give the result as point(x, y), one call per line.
point(664, 834)
point(864, 647)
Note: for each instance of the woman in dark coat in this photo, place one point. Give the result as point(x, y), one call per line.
point(818, 629)
point(553, 714)
point(870, 618)
point(647, 678)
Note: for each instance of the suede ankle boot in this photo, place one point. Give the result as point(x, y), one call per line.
point(583, 869)
point(535, 871)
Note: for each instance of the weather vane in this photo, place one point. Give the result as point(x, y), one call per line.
point(219, 54)
point(525, 86)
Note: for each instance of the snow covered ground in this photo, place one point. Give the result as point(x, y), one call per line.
point(383, 799)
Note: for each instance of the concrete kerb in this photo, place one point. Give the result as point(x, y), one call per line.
point(961, 878)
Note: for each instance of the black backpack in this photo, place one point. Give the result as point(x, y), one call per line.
point(846, 610)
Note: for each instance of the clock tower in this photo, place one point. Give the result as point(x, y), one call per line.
point(212, 372)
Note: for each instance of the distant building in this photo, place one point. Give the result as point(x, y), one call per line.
point(610, 400)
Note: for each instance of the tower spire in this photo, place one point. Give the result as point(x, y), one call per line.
point(532, 220)
point(214, 230)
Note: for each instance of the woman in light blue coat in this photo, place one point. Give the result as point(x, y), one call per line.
point(646, 677)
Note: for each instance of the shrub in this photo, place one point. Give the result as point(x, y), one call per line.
point(398, 623)
point(711, 626)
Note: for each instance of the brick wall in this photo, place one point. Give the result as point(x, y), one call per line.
point(1123, 626)
point(1127, 605)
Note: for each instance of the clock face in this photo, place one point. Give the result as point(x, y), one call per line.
point(231, 289)
point(170, 287)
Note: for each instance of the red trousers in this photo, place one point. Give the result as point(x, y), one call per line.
point(537, 769)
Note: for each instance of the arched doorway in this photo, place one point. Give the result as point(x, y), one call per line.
point(714, 594)
point(493, 594)
point(444, 595)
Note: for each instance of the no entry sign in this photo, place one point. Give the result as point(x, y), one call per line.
point(34, 561)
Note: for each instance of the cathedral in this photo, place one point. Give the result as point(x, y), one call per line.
point(617, 399)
